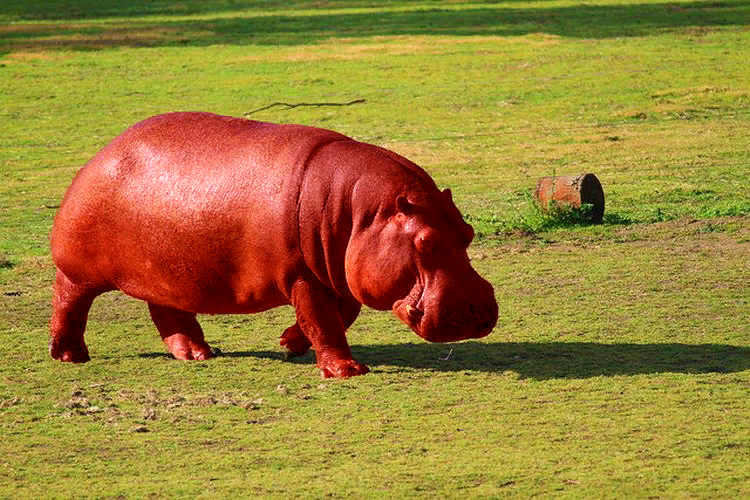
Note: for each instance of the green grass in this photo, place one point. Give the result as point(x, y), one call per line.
point(620, 366)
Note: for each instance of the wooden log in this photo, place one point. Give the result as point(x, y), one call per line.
point(572, 190)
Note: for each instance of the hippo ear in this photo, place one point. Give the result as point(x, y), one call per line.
point(403, 205)
point(448, 194)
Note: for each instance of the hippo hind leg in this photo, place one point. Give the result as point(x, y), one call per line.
point(180, 332)
point(71, 305)
point(295, 341)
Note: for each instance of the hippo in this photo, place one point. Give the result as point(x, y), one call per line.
point(198, 213)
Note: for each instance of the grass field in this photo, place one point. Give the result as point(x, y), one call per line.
point(620, 366)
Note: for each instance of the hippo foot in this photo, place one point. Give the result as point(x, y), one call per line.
point(295, 341)
point(184, 348)
point(342, 368)
point(69, 352)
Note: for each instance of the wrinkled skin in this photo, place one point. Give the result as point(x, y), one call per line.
point(197, 213)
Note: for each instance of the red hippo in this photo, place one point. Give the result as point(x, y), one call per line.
point(197, 213)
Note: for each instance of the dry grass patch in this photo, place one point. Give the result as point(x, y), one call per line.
point(22, 57)
point(350, 49)
point(102, 38)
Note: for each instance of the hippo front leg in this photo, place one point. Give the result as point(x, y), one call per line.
point(297, 343)
point(324, 319)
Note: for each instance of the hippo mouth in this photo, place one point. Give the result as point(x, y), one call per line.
point(410, 309)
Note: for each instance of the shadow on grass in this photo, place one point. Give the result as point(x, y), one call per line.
point(271, 23)
point(541, 361)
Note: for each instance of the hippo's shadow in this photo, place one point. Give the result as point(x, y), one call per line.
point(550, 360)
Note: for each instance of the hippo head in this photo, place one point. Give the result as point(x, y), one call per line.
point(411, 257)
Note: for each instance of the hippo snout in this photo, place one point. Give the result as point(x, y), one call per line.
point(466, 310)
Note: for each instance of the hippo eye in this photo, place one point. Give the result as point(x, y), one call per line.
point(426, 240)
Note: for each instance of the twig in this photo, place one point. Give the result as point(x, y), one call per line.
point(448, 356)
point(299, 104)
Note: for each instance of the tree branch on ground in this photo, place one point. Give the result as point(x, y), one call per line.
point(300, 104)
